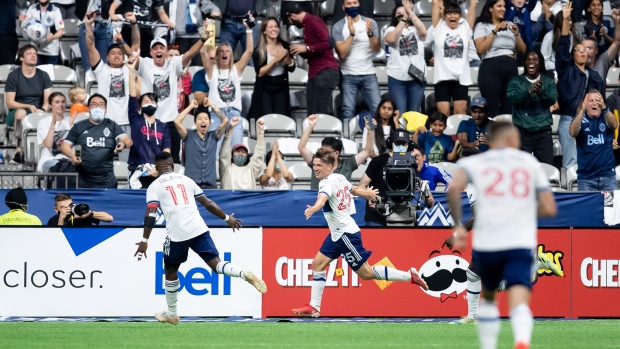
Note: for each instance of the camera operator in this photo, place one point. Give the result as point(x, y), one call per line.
point(373, 177)
point(70, 214)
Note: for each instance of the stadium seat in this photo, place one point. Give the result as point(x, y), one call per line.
point(618, 173)
point(571, 178)
point(90, 82)
point(326, 125)
point(423, 8)
point(449, 167)
point(453, 123)
point(277, 126)
point(383, 8)
point(382, 77)
point(294, 32)
point(556, 122)
point(29, 136)
point(553, 174)
point(121, 173)
point(298, 79)
point(188, 122)
point(612, 77)
point(356, 176)
point(63, 78)
point(71, 28)
point(180, 169)
point(326, 10)
point(302, 174)
point(246, 127)
point(248, 77)
point(194, 69)
point(354, 128)
point(504, 117)
point(473, 73)
point(430, 76)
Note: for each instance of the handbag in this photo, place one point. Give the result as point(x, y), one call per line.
point(416, 73)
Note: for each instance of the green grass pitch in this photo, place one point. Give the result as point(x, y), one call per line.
point(547, 334)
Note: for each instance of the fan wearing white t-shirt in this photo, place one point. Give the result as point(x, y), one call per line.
point(159, 76)
point(357, 39)
point(405, 37)
point(452, 38)
point(51, 132)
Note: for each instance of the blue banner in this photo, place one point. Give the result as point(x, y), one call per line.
point(286, 208)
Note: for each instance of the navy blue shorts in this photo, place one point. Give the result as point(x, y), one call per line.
point(175, 252)
point(349, 246)
point(514, 266)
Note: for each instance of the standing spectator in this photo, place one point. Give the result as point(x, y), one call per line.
point(224, 79)
point(272, 64)
point(276, 176)
point(17, 202)
point(159, 75)
point(317, 48)
point(593, 128)
point(542, 18)
point(549, 44)
point(186, 23)
point(98, 138)
point(237, 169)
point(8, 33)
point(200, 87)
point(599, 29)
point(367, 9)
point(405, 37)
point(472, 132)
point(50, 16)
point(233, 29)
point(575, 78)
point(144, 11)
point(452, 38)
point(52, 131)
point(66, 7)
point(342, 166)
point(149, 135)
point(438, 147)
point(200, 145)
point(387, 119)
point(99, 29)
point(498, 43)
point(518, 12)
point(184, 81)
point(532, 95)
point(602, 61)
point(27, 88)
point(357, 38)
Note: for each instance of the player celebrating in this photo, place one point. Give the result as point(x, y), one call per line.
point(507, 180)
point(345, 238)
point(186, 229)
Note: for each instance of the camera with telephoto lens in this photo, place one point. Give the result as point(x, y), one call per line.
point(79, 209)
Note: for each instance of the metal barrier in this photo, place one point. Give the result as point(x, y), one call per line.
point(33, 180)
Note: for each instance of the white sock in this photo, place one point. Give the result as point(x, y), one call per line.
point(318, 284)
point(229, 269)
point(522, 323)
point(390, 274)
point(171, 296)
point(488, 324)
point(474, 286)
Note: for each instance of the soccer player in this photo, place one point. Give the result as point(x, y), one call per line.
point(174, 194)
point(506, 180)
point(345, 238)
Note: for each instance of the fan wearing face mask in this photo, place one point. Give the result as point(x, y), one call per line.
point(150, 135)
point(237, 169)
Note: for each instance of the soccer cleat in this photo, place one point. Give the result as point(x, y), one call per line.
point(416, 279)
point(307, 311)
point(164, 317)
point(256, 282)
point(464, 321)
point(545, 262)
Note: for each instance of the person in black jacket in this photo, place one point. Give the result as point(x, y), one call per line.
point(272, 64)
point(575, 78)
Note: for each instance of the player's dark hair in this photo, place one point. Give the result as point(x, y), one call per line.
point(97, 95)
point(150, 95)
point(334, 142)
point(163, 156)
point(325, 155)
point(61, 197)
point(22, 50)
point(497, 128)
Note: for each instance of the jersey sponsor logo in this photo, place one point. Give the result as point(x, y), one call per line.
point(106, 132)
point(602, 127)
point(600, 273)
point(195, 279)
point(445, 275)
point(91, 142)
point(291, 272)
point(45, 276)
point(598, 140)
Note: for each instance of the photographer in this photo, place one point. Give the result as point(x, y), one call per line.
point(70, 214)
point(374, 176)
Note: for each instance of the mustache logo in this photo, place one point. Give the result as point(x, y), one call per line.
point(443, 278)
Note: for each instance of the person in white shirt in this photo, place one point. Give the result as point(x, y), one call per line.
point(159, 75)
point(506, 180)
point(357, 39)
point(51, 132)
point(452, 38)
point(334, 199)
point(49, 15)
point(405, 37)
point(176, 196)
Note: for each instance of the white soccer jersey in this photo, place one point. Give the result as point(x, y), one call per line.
point(176, 195)
point(338, 209)
point(507, 182)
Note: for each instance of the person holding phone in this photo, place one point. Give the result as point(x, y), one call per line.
point(385, 120)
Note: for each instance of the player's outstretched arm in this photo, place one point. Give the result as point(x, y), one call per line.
point(320, 202)
point(215, 210)
point(149, 223)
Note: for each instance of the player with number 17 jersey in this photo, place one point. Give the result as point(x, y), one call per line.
point(176, 195)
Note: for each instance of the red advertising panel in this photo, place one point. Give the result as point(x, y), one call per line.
point(287, 269)
point(595, 282)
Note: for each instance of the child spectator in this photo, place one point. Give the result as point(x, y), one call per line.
point(600, 29)
point(437, 146)
point(276, 176)
point(519, 13)
point(77, 96)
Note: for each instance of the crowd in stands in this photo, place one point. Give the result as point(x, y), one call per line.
point(139, 53)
